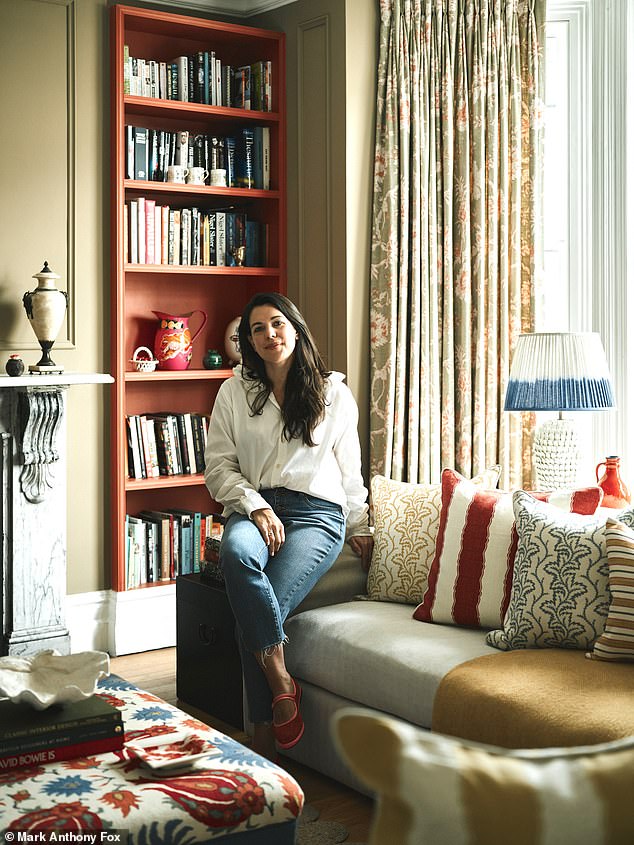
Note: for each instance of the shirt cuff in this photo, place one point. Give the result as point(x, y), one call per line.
point(252, 501)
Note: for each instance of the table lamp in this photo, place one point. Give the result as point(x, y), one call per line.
point(558, 371)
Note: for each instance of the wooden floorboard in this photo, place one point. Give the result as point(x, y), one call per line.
point(155, 671)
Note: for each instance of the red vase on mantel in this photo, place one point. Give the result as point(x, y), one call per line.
point(615, 492)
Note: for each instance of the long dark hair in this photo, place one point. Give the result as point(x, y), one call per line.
point(305, 393)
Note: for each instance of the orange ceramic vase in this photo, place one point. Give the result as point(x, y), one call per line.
point(615, 492)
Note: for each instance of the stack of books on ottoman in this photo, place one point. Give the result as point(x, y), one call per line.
point(30, 737)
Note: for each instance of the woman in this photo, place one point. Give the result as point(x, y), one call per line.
point(283, 458)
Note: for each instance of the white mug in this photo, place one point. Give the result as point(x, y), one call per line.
point(218, 177)
point(177, 173)
point(197, 176)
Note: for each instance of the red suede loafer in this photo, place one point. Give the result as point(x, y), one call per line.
point(288, 734)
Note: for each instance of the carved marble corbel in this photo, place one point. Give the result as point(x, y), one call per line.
point(41, 412)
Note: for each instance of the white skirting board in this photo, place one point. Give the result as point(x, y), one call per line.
point(122, 623)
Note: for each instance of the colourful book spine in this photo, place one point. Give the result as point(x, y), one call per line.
point(165, 226)
point(150, 225)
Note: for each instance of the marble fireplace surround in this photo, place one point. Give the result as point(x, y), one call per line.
point(33, 510)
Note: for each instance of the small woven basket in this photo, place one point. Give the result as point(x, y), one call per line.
point(143, 364)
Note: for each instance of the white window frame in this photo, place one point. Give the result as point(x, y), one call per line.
point(601, 215)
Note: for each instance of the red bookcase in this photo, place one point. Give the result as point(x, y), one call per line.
point(221, 291)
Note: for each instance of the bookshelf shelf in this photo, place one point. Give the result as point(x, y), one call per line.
point(190, 269)
point(140, 289)
point(243, 195)
point(164, 481)
point(179, 376)
point(152, 107)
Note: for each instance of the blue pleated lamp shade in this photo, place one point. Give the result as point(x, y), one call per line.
point(559, 372)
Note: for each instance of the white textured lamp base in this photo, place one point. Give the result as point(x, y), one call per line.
point(556, 455)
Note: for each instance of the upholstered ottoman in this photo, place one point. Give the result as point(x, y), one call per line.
point(233, 795)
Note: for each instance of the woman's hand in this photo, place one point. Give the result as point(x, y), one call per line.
point(362, 546)
point(270, 528)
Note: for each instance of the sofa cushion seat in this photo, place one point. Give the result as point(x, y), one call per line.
point(536, 698)
point(374, 653)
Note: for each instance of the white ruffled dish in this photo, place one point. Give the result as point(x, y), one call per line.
point(48, 677)
point(171, 751)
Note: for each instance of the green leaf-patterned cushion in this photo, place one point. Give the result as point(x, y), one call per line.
point(559, 596)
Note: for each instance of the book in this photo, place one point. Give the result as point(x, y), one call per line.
point(153, 155)
point(165, 225)
point(134, 449)
point(141, 230)
point(126, 69)
point(39, 757)
point(199, 444)
point(187, 462)
point(157, 234)
point(242, 87)
point(230, 158)
point(164, 542)
point(169, 532)
point(20, 721)
point(183, 529)
point(140, 153)
point(150, 229)
point(130, 158)
point(133, 223)
point(244, 160)
point(182, 76)
point(136, 547)
point(221, 242)
point(257, 86)
point(67, 736)
point(182, 148)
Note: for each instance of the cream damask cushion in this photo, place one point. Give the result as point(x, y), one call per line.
point(406, 519)
point(559, 593)
point(434, 789)
point(617, 641)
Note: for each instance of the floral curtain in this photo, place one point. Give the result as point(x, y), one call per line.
point(456, 241)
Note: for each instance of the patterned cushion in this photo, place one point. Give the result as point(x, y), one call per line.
point(559, 597)
point(617, 641)
point(470, 578)
point(435, 789)
point(406, 518)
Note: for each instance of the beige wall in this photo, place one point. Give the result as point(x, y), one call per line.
point(331, 54)
point(53, 173)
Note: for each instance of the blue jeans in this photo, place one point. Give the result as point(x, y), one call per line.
point(264, 590)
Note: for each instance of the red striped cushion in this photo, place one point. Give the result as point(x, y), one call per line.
point(470, 577)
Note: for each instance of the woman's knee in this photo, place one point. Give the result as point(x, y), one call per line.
point(242, 549)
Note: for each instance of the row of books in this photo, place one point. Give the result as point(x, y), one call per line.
point(166, 444)
point(162, 234)
point(246, 156)
point(30, 737)
point(163, 544)
point(199, 78)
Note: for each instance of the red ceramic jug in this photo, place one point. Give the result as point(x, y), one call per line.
point(615, 492)
point(173, 340)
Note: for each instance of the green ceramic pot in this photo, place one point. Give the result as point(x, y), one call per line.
point(212, 360)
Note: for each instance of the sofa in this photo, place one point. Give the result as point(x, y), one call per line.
point(500, 656)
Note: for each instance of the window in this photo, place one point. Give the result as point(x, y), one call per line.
point(589, 210)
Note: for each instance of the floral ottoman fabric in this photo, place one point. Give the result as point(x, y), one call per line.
point(233, 794)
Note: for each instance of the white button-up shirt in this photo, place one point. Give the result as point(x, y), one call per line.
point(248, 453)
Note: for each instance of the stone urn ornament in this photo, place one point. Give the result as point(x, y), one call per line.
point(45, 308)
